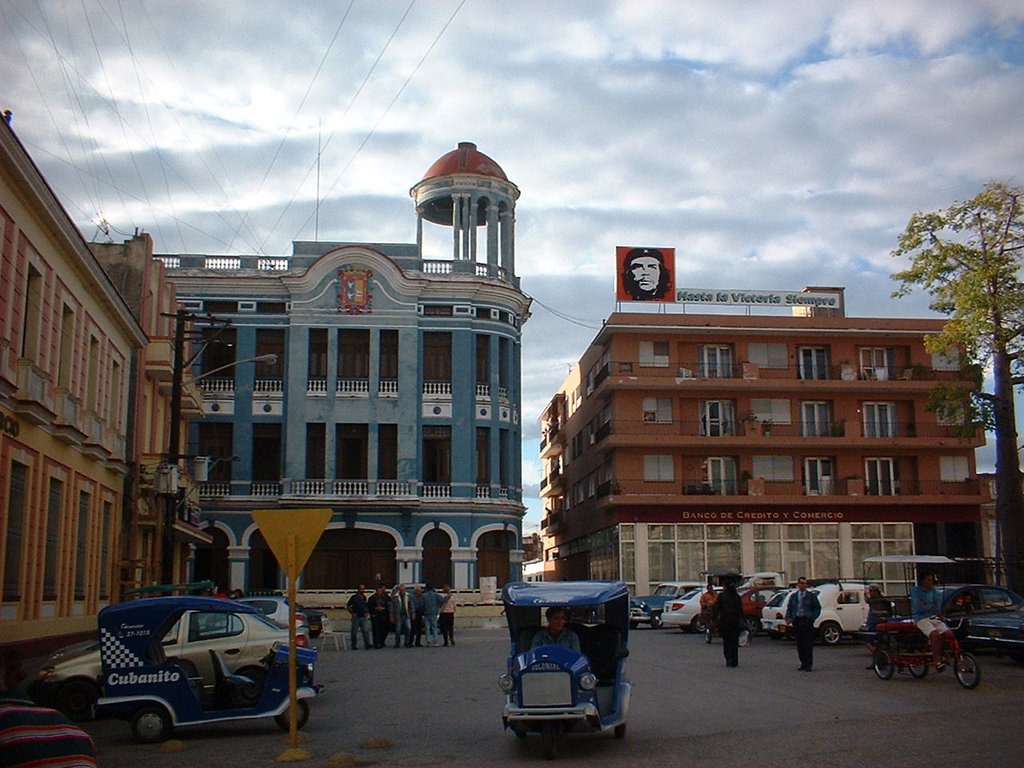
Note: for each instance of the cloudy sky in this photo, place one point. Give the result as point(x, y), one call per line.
point(772, 144)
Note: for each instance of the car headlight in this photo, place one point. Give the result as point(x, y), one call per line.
point(588, 681)
point(505, 683)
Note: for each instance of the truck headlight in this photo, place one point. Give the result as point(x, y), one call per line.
point(588, 681)
point(505, 683)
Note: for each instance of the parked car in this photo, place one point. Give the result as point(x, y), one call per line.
point(314, 620)
point(684, 612)
point(843, 610)
point(1001, 630)
point(647, 609)
point(71, 679)
point(275, 608)
point(753, 600)
point(773, 615)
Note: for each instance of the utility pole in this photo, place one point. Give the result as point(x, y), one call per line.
point(174, 447)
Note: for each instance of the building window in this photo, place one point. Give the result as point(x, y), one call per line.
point(266, 453)
point(815, 418)
point(92, 392)
point(387, 451)
point(483, 456)
point(105, 537)
point(882, 477)
point(880, 420)
point(216, 441)
point(656, 410)
point(354, 354)
point(954, 469)
point(483, 359)
point(82, 544)
point(658, 468)
point(721, 474)
point(33, 317)
point(812, 362)
point(818, 476)
point(316, 451)
point(351, 452)
point(717, 418)
point(316, 359)
point(54, 505)
point(774, 469)
point(270, 341)
point(653, 354)
point(218, 345)
point(437, 356)
point(768, 355)
point(877, 363)
point(67, 341)
point(437, 454)
point(771, 410)
point(715, 361)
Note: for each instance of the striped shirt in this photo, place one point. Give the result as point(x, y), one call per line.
point(39, 737)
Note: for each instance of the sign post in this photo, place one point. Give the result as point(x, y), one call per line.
point(292, 535)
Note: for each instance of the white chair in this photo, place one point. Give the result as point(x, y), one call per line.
point(330, 634)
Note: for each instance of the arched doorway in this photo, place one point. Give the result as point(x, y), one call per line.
point(344, 558)
point(437, 558)
point(263, 568)
point(212, 560)
point(492, 555)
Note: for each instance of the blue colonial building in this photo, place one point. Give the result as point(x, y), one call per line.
point(375, 379)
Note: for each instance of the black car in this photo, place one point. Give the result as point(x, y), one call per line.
point(315, 619)
point(985, 616)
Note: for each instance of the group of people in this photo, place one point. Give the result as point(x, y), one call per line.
point(422, 616)
point(803, 609)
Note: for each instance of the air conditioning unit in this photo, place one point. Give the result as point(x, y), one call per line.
point(166, 479)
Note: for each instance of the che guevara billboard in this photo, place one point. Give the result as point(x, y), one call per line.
point(645, 274)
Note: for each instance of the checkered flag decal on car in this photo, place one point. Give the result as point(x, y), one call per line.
point(116, 654)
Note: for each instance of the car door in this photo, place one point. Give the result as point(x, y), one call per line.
point(220, 632)
point(851, 608)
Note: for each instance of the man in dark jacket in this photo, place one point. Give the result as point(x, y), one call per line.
point(380, 617)
point(728, 612)
point(802, 610)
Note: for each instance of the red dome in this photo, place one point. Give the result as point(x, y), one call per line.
point(465, 159)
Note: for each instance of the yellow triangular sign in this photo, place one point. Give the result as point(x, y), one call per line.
point(303, 526)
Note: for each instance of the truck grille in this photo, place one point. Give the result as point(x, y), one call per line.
point(546, 689)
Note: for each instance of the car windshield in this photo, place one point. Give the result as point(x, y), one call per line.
point(776, 599)
point(691, 594)
point(259, 617)
point(664, 590)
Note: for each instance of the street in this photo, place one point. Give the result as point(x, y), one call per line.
point(442, 706)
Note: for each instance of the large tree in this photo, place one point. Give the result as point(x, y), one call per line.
point(968, 258)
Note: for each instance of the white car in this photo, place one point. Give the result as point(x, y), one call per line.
point(843, 609)
point(773, 615)
point(684, 612)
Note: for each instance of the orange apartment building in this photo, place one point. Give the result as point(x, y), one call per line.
point(687, 443)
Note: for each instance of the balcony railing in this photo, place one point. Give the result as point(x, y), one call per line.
point(696, 370)
point(737, 428)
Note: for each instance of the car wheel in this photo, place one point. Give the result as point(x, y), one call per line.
point(655, 621)
point(831, 633)
point(697, 625)
point(883, 663)
point(249, 695)
point(634, 624)
point(968, 673)
point(301, 716)
point(76, 699)
point(151, 724)
point(753, 625)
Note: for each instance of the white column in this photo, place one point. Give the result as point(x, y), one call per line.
point(747, 548)
point(406, 560)
point(848, 569)
point(641, 559)
point(462, 560)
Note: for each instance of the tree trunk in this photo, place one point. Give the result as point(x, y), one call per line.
point(1009, 496)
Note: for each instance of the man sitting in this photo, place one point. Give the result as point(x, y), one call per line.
point(925, 606)
point(556, 633)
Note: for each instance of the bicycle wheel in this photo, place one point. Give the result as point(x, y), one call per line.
point(884, 665)
point(968, 673)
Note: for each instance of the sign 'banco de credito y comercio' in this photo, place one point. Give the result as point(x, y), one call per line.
point(758, 298)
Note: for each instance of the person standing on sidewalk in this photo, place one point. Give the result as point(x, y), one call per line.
point(360, 612)
point(403, 609)
point(379, 618)
point(802, 611)
point(431, 610)
point(417, 616)
point(728, 612)
point(447, 617)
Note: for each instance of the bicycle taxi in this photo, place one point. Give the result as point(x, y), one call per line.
point(155, 693)
point(552, 690)
point(899, 645)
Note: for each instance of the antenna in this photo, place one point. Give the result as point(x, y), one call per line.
point(316, 221)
